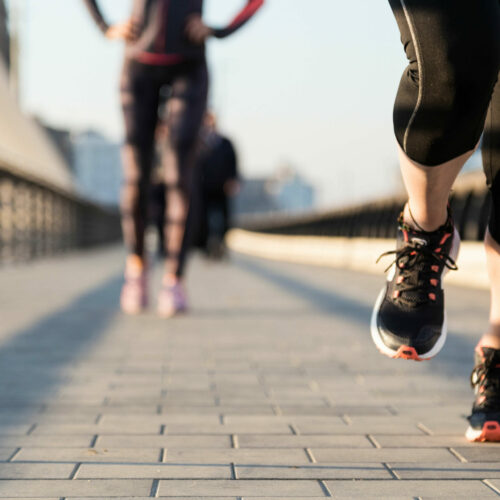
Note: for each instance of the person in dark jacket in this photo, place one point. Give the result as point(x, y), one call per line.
point(219, 179)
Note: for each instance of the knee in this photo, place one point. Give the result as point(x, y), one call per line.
point(454, 99)
point(467, 78)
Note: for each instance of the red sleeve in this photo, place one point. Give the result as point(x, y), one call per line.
point(248, 11)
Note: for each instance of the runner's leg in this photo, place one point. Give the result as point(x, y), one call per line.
point(140, 101)
point(186, 109)
point(185, 113)
point(484, 420)
point(439, 115)
point(491, 163)
point(140, 98)
point(443, 95)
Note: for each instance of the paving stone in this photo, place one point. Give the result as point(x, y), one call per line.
point(445, 426)
point(164, 441)
point(46, 441)
point(364, 428)
point(241, 487)
point(131, 455)
point(218, 410)
point(392, 488)
point(35, 471)
point(416, 455)
point(447, 471)
point(6, 453)
point(342, 441)
point(147, 498)
point(271, 428)
point(315, 471)
point(94, 429)
point(180, 419)
point(404, 441)
point(14, 430)
point(159, 471)
point(288, 419)
point(247, 456)
point(337, 410)
point(64, 488)
point(487, 452)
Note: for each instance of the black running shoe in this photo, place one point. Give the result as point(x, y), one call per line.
point(484, 421)
point(409, 320)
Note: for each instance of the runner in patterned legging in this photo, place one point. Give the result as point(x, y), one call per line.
point(440, 113)
point(165, 47)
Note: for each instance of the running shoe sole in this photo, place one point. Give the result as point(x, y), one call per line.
point(489, 432)
point(407, 352)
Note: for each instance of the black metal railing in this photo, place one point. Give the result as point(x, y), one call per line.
point(470, 204)
point(37, 219)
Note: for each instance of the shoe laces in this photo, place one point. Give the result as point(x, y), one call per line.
point(418, 272)
point(485, 379)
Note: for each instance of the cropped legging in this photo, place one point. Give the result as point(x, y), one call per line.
point(449, 93)
point(141, 88)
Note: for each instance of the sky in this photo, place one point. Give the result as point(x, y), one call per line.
point(306, 83)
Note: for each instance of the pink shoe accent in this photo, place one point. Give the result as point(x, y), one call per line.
point(172, 300)
point(406, 352)
point(134, 296)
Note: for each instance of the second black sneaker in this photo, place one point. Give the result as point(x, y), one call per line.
point(409, 319)
point(484, 421)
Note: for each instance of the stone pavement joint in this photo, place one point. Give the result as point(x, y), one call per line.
point(270, 388)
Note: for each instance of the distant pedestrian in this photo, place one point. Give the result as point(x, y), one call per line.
point(219, 184)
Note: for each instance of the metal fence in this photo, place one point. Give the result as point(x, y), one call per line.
point(39, 220)
point(470, 204)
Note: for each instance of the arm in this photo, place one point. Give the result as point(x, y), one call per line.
point(96, 14)
point(248, 11)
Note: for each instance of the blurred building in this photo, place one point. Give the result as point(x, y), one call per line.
point(4, 35)
point(62, 140)
point(285, 191)
point(97, 167)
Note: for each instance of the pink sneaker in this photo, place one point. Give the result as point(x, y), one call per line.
point(171, 299)
point(134, 297)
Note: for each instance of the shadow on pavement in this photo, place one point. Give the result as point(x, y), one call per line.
point(33, 362)
point(455, 358)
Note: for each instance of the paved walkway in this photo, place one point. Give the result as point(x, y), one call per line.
point(271, 388)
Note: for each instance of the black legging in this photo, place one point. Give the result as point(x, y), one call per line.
point(140, 92)
point(453, 47)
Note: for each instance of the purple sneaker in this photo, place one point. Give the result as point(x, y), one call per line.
point(172, 299)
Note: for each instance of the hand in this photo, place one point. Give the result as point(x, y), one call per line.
point(197, 31)
point(124, 31)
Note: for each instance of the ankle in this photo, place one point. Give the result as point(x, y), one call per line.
point(134, 265)
point(491, 338)
point(423, 220)
point(170, 279)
